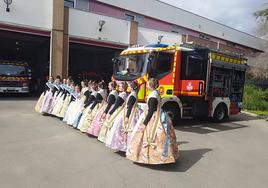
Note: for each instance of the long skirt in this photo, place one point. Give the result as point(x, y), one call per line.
point(77, 107)
point(54, 101)
point(68, 111)
point(64, 107)
point(156, 144)
point(83, 117)
point(89, 118)
point(97, 122)
point(58, 104)
point(39, 103)
point(47, 102)
point(122, 134)
point(106, 129)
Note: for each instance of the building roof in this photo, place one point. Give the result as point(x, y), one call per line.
point(177, 16)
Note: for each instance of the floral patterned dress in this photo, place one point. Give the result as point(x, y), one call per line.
point(157, 143)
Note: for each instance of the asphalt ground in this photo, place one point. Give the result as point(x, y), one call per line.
point(41, 151)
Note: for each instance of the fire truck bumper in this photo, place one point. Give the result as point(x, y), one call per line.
point(14, 90)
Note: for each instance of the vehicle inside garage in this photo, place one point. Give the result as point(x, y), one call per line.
point(91, 62)
point(29, 48)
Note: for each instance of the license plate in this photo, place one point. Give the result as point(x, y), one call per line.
point(10, 90)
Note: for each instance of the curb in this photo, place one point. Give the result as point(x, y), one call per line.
point(253, 115)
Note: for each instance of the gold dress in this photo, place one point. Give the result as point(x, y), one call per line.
point(157, 143)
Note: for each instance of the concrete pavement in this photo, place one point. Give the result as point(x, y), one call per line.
point(40, 151)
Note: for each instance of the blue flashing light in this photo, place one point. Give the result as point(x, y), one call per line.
point(157, 45)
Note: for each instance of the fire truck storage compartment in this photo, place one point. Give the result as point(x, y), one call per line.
point(91, 62)
point(198, 106)
point(30, 48)
point(227, 80)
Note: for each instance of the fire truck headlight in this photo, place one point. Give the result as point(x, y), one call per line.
point(161, 90)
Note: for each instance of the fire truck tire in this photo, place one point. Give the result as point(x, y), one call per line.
point(220, 113)
point(173, 111)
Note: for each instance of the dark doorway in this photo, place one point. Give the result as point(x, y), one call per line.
point(91, 62)
point(29, 48)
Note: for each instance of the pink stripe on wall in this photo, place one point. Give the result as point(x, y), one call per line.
point(156, 24)
point(106, 10)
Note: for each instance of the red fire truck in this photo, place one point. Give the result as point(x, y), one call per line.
point(14, 77)
point(193, 81)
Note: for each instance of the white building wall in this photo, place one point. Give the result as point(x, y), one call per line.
point(174, 15)
point(29, 13)
point(86, 25)
point(149, 36)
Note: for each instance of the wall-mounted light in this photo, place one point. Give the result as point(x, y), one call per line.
point(101, 24)
point(8, 3)
point(160, 38)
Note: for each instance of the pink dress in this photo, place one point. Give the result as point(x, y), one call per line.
point(48, 98)
point(97, 122)
point(122, 133)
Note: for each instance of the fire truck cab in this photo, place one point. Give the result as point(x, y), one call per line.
point(14, 77)
point(193, 81)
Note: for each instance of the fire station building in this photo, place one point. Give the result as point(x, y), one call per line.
point(67, 37)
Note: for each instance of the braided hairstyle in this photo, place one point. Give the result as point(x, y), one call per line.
point(113, 85)
point(134, 85)
point(153, 83)
point(102, 85)
point(124, 86)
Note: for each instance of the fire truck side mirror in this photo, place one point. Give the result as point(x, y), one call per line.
point(150, 58)
point(151, 68)
point(115, 60)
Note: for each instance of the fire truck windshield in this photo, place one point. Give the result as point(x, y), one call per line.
point(12, 70)
point(129, 67)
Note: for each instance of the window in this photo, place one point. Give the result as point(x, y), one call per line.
point(130, 17)
point(12, 70)
point(203, 36)
point(69, 3)
point(193, 66)
point(162, 64)
point(231, 44)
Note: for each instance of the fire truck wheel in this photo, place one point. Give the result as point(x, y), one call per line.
point(220, 113)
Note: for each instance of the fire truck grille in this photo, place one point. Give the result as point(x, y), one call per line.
point(10, 84)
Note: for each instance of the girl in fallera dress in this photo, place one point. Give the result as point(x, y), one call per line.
point(74, 94)
point(99, 101)
point(56, 92)
point(86, 108)
point(60, 98)
point(79, 104)
point(97, 121)
point(110, 118)
point(83, 98)
point(67, 98)
point(75, 104)
point(153, 140)
point(126, 121)
point(88, 92)
point(48, 100)
point(40, 101)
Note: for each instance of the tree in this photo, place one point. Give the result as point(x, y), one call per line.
point(258, 71)
point(262, 14)
point(262, 20)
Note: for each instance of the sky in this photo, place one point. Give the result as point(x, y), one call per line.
point(234, 13)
